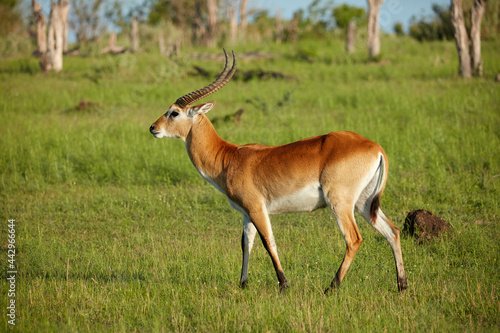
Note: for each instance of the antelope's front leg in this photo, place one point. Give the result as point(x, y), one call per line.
point(247, 239)
point(261, 221)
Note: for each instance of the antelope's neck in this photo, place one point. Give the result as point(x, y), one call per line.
point(209, 153)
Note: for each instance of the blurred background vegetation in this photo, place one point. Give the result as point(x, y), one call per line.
point(167, 25)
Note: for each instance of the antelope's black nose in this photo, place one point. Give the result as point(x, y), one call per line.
point(152, 128)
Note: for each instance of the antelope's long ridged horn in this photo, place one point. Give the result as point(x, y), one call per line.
point(223, 78)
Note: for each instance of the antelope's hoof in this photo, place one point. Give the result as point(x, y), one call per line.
point(402, 285)
point(283, 287)
point(333, 288)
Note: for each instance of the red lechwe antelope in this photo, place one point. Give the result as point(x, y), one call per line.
point(341, 170)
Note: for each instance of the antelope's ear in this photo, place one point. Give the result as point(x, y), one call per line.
point(200, 108)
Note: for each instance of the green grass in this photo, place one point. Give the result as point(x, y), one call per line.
point(116, 231)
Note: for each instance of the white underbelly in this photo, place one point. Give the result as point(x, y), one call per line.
point(306, 199)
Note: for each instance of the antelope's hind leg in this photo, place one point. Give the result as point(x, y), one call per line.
point(344, 214)
point(369, 208)
point(391, 233)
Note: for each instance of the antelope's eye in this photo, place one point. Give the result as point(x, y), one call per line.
point(174, 114)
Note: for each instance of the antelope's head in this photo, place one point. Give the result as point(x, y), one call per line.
point(178, 120)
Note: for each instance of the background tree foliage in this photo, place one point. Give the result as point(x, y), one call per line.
point(316, 20)
point(86, 20)
point(10, 19)
point(182, 13)
point(439, 28)
point(398, 29)
point(344, 14)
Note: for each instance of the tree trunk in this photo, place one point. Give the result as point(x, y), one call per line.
point(293, 28)
point(476, 15)
point(134, 35)
point(161, 43)
point(177, 47)
point(199, 29)
point(279, 28)
point(233, 26)
point(461, 39)
point(112, 40)
point(112, 47)
point(41, 28)
point(211, 22)
point(350, 37)
point(243, 17)
point(373, 39)
point(64, 16)
point(55, 39)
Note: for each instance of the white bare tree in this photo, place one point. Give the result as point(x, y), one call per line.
point(469, 51)
point(211, 22)
point(243, 17)
point(461, 38)
point(350, 37)
point(373, 39)
point(233, 25)
point(279, 27)
point(134, 34)
point(41, 28)
point(65, 7)
point(55, 38)
point(476, 17)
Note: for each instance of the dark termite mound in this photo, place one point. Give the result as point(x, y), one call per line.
point(425, 226)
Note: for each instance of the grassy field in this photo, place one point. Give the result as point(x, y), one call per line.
point(116, 231)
